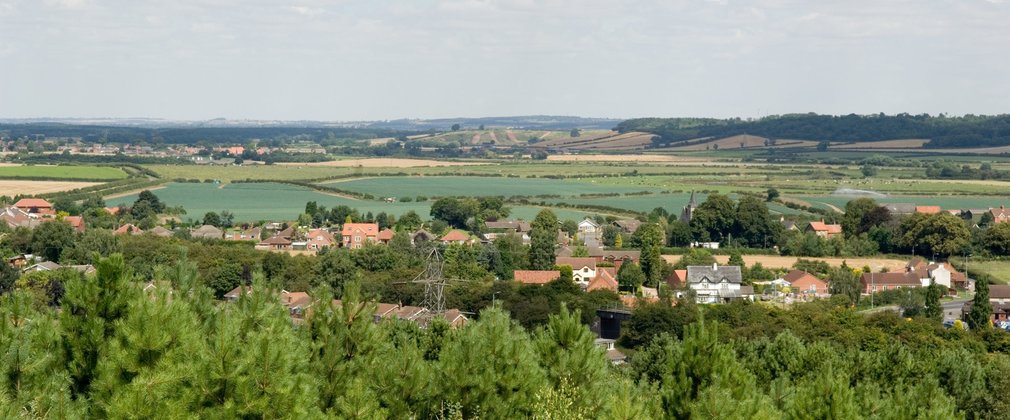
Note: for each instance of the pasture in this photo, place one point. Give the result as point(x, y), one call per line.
point(272, 201)
point(68, 172)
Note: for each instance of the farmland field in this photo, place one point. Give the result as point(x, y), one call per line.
point(15, 187)
point(272, 201)
point(785, 262)
point(999, 270)
point(62, 172)
point(946, 203)
point(433, 186)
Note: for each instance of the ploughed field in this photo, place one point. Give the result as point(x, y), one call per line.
point(273, 201)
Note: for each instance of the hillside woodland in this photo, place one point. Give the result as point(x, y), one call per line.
point(943, 131)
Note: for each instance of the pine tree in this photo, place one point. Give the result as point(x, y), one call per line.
point(33, 381)
point(490, 368)
point(543, 237)
point(91, 307)
point(934, 310)
point(141, 372)
point(568, 354)
point(345, 343)
point(981, 309)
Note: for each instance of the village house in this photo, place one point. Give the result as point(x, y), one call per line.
point(824, 230)
point(717, 284)
point(803, 283)
point(85, 269)
point(161, 232)
point(1000, 215)
point(535, 276)
point(583, 268)
point(76, 222)
point(386, 235)
point(588, 228)
point(606, 279)
point(207, 232)
point(15, 218)
point(927, 209)
point(999, 299)
point(275, 243)
point(456, 236)
point(128, 229)
point(879, 282)
point(35, 206)
point(356, 235)
point(319, 239)
point(516, 226)
point(942, 273)
point(627, 226)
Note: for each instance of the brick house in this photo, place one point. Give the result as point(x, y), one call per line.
point(355, 235)
point(824, 230)
point(879, 282)
point(804, 283)
point(535, 276)
point(35, 206)
point(1000, 215)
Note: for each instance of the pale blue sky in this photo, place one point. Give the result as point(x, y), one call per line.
point(376, 59)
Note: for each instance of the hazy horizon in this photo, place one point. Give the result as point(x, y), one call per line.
point(195, 60)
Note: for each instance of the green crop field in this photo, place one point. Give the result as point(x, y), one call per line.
point(270, 201)
point(63, 172)
point(434, 186)
point(947, 203)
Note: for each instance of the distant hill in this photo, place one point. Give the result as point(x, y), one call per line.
point(526, 122)
point(941, 131)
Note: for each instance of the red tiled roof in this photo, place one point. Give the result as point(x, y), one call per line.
point(606, 278)
point(129, 228)
point(927, 209)
point(536, 276)
point(576, 262)
point(368, 229)
point(456, 235)
point(824, 227)
point(796, 275)
point(32, 202)
point(386, 234)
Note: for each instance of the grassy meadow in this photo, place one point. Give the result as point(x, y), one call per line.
point(434, 186)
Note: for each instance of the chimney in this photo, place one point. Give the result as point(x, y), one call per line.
point(715, 266)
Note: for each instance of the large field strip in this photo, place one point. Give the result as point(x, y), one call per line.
point(271, 201)
point(786, 262)
point(62, 172)
point(432, 186)
point(15, 187)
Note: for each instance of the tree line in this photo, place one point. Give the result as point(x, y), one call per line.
point(943, 131)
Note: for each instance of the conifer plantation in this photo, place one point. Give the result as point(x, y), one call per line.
point(113, 350)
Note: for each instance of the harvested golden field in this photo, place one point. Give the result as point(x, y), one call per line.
point(979, 150)
point(15, 187)
point(747, 141)
point(385, 163)
point(778, 261)
point(886, 144)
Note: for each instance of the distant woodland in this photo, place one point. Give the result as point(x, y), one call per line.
point(943, 131)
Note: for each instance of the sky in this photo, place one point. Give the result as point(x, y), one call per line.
point(344, 60)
